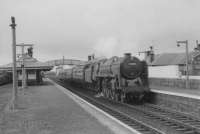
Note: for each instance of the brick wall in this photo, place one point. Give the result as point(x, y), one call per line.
point(177, 103)
point(173, 83)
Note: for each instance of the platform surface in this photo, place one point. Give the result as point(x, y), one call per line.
point(190, 93)
point(47, 110)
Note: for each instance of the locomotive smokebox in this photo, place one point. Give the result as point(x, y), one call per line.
point(130, 68)
point(127, 55)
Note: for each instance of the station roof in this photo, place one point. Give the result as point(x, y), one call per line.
point(30, 63)
point(173, 58)
point(65, 62)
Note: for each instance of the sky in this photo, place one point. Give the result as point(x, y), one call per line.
point(77, 28)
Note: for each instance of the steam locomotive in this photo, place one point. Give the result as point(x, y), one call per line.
point(118, 78)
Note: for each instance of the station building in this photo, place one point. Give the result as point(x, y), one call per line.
point(169, 70)
point(174, 65)
point(33, 69)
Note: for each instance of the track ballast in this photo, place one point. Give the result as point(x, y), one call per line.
point(147, 118)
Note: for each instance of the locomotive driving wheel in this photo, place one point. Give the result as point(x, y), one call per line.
point(116, 89)
point(109, 88)
point(117, 97)
point(112, 90)
point(105, 88)
point(112, 94)
point(123, 96)
point(107, 93)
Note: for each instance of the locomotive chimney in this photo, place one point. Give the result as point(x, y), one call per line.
point(89, 57)
point(127, 55)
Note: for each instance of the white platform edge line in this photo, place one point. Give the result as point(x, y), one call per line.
point(67, 92)
point(177, 94)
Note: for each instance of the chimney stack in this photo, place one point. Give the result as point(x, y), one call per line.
point(89, 57)
point(151, 53)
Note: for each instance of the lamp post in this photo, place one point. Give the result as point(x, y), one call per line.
point(187, 59)
point(14, 70)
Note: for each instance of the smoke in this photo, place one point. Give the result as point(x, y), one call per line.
point(115, 46)
point(106, 46)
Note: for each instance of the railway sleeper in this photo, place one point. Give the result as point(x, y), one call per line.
point(137, 127)
point(134, 125)
point(185, 118)
point(147, 132)
point(191, 121)
point(189, 132)
point(195, 125)
point(163, 120)
point(167, 123)
point(141, 129)
point(176, 127)
point(181, 129)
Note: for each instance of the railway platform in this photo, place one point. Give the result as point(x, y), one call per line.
point(51, 109)
point(189, 93)
point(182, 100)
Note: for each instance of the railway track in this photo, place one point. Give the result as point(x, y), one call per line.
point(180, 123)
point(157, 119)
point(186, 119)
point(130, 121)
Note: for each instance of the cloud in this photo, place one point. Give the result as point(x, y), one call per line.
point(107, 27)
point(115, 46)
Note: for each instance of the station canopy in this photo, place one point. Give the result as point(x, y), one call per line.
point(29, 63)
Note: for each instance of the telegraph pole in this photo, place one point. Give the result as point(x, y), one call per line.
point(14, 70)
point(187, 64)
point(148, 55)
point(187, 59)
point(23, 70)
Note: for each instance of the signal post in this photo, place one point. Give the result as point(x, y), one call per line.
point(14, 70)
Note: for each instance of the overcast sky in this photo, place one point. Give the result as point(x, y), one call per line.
point(76, 28)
